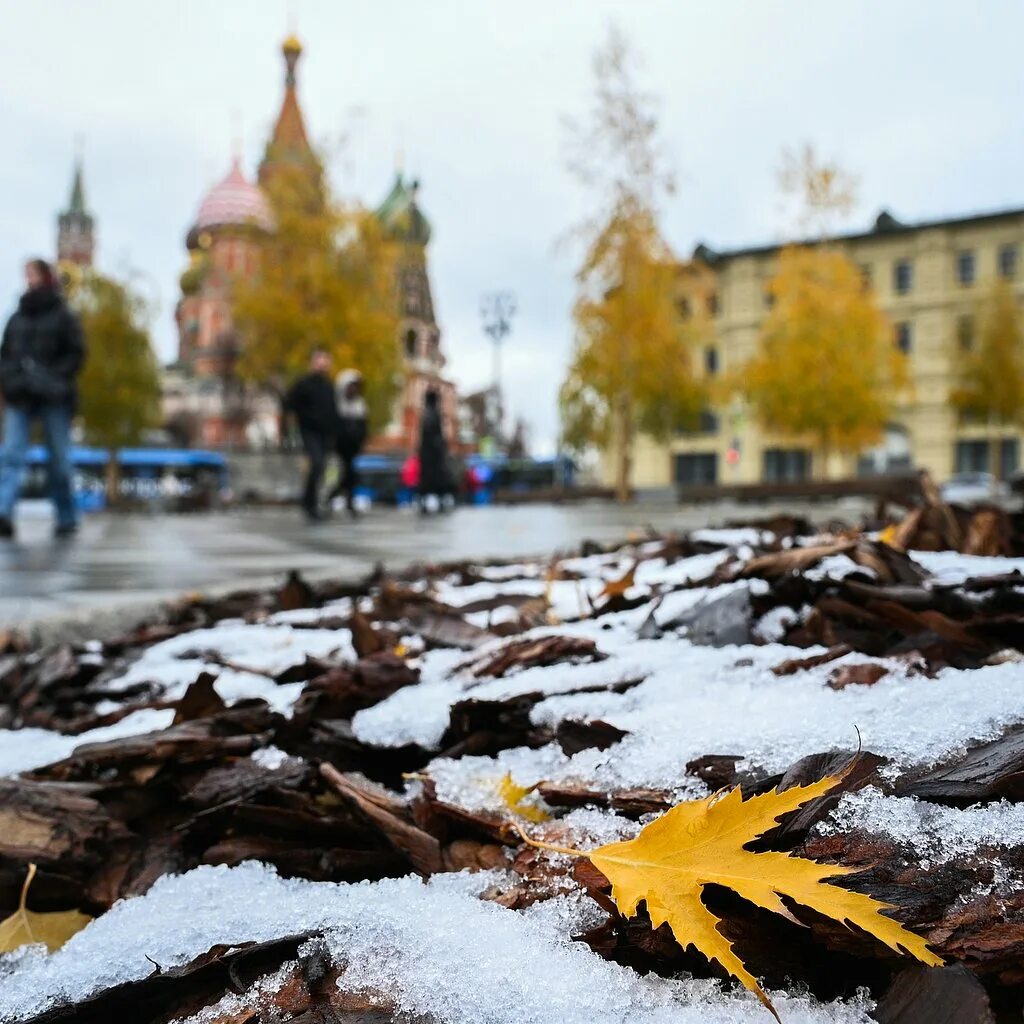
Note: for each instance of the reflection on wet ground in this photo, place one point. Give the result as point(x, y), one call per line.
point(120, 559)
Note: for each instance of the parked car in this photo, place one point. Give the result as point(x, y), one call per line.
point(976, 489)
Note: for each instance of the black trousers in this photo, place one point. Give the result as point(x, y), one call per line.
point(348, 478)
point(316, 445)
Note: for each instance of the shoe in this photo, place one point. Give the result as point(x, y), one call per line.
point(66, 530)
point(6, 529)
point(313, 515)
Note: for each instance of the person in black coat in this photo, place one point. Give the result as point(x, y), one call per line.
point(351, 433)
point(311, 401)
point(435, 473)
point(41, 355)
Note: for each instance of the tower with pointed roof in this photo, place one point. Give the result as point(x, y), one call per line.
point(407, 233)
point(288, 145)
point(76, 238)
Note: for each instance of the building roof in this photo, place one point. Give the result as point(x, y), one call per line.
point(288, 142)
point(885, 225)
point(76, 208)
point(400, 215)
point(234, 201)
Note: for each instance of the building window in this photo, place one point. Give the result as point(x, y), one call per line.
point(769, 298)
point(865, 276)
point(713, 304)
point(965, 333)
point(975, 456)
point(905, 337)
point(707, 423)
point(1008, 261)
point(683, 307)
point(410, 344)
point(965, 267)
point(786, 464)
point(902, 277)
point(711, 360)
point(693, 469)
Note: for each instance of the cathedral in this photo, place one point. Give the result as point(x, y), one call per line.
point(204, 402)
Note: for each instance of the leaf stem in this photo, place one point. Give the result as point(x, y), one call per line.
point(539, 845)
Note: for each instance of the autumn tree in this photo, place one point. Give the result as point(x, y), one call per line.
point(822, 191)
point(827, 367)
point(324, 280)
point(990, 372)
point(631, 369)
point(120, 383)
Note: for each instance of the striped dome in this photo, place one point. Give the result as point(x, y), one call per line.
point(234, 201)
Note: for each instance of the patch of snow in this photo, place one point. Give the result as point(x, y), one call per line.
point(266, 649)
point(953, 567)
point(434, 948)
point(271, 757)
point(836, 567)
point(734, 537)
point(939, 833)
point(772, 626)
point(701, 700)
point(21, 750)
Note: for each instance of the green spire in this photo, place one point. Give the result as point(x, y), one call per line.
point(77, 204)
point(400, 214)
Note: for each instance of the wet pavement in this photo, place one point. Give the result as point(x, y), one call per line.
point(136, 560)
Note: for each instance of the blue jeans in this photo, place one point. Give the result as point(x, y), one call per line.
point(56, 420)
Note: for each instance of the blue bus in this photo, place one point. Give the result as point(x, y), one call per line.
point(176, 478)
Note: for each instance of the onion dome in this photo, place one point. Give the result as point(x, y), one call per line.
point(400, 215)
point(234, 202)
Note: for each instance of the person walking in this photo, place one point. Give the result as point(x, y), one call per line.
point(435, 474)
point(351, 434)
point(41, 355)
point(311, 402)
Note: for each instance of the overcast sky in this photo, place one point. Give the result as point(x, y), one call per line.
point(921, 98)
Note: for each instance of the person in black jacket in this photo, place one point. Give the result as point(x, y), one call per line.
point(41, 355)
point(435, 473)
point(311, 401)
point(351, 433)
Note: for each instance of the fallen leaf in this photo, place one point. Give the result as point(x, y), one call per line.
point(618, 588)
point(25, 926)
point(702, 842)
point(864, 674)
point(513, 795)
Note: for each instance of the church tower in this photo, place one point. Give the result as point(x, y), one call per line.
point(75, 226)
point(288, 147)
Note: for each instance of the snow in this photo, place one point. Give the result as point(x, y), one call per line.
point(700, 700)
point(734, 537)
point(952, 567)
point(258, 652)
point(21, 750)
point(937, 833)
point(272, 758)
point(433, 948)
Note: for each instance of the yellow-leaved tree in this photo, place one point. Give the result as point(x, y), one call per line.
point(120, 383)
point(632, 367)
point(827, 369)
point(990, 373)
point(324, 280)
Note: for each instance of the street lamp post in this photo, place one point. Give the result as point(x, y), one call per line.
point(496, 311)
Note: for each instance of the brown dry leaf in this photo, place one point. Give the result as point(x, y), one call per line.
point(703, 842)
point(618, 588)
point(25, 926)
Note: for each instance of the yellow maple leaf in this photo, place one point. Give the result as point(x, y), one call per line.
point(888, 535)
point(513, 795)
point(702, 842)
point(25, 926)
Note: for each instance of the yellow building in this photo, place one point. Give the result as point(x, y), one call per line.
point(928, 278)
